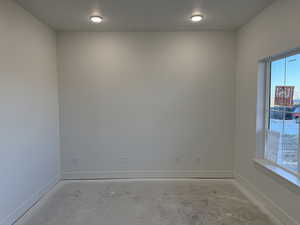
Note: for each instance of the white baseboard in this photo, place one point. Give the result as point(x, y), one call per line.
point(148, 174)
point(31, 201)
point(277, 214)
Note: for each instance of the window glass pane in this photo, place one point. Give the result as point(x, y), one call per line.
point(282, 139)
point(291, 125)
point(274, 135)
point(276, 114)
point(277, 78)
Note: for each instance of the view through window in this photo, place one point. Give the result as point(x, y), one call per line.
point(282, 141)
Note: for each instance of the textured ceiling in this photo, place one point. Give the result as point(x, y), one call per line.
point(144, 15)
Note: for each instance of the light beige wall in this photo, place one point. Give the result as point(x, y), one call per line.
point(275, 30)
point(29, 146)
point(147, 104)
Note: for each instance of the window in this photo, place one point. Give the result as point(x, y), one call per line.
point(283, 112)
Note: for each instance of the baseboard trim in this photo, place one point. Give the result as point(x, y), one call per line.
point(147, 174)
point(29, 203)
point(277, 214)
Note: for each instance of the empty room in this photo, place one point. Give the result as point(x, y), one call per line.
point(149, 112)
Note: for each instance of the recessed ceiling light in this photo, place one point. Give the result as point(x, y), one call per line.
point(96, 19)
point(196, 18)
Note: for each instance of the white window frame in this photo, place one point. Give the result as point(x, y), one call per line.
point(263, 113)
point(267, 97)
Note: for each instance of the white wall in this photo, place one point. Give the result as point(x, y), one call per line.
point(147, 104)
point(275, 30)
point(29, 146)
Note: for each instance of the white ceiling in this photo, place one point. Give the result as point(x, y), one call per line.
point(144, 15)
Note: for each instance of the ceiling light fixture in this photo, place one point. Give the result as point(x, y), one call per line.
point(196, 18)
point(96, 19)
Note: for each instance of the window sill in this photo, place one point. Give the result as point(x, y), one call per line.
point(279, 172)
